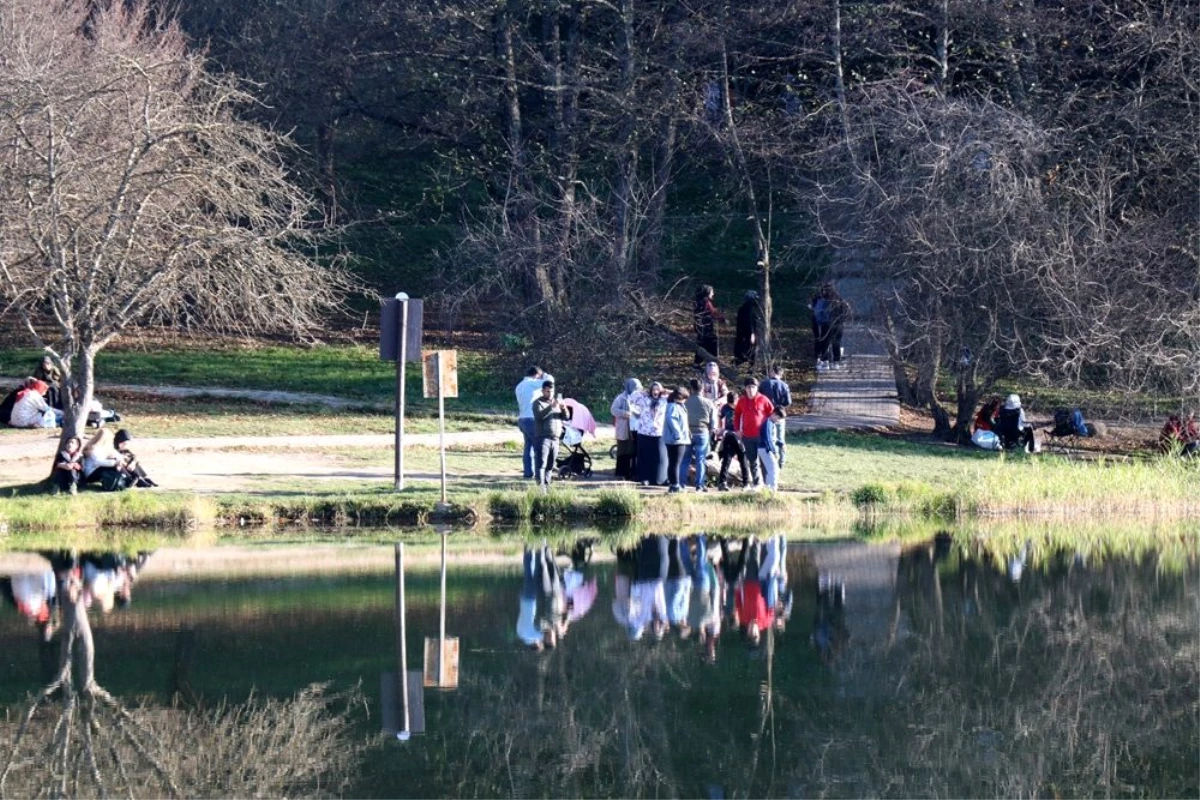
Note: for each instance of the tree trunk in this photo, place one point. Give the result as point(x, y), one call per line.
point(627, 153)
point(762, 240)
point(537, 286)
point(650, 255)
point(78, 390)
point(967, 397)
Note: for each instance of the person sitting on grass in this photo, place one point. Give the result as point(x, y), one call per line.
point(1013, 429)
point(988, 417)
point(68, 466)
point(1180, 433)
point(31, 409)
point(130, 465)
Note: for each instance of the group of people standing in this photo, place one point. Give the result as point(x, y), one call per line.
point(829, 315)
point(663, 435)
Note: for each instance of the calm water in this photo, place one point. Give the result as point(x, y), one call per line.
point(900, 670)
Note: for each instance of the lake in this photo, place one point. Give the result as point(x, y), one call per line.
point(880, 668)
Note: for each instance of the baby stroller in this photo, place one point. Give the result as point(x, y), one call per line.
point(576, 461)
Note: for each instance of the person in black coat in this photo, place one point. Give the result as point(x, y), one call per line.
point(749, 331)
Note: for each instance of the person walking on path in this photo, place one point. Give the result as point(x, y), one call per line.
point(749, 331)
point(776, 389)
point(751, 411)
point(702, 425)
point(527, 391)
point(549, 414)
point(624, 423)
point(676, 437)
point(706, 316)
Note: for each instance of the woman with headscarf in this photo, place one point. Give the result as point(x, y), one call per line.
point(706, 316)
point(624, 421)
point(650, 408)
point(749, 331)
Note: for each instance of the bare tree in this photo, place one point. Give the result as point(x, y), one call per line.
point(135, 193)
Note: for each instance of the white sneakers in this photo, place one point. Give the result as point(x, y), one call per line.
point(822, 365)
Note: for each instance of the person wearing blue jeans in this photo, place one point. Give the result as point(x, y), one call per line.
point(702, 423)
point(527, 391)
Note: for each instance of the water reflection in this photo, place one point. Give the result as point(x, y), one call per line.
point(718, 666)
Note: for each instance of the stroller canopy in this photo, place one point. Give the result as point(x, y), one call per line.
point(581, 418)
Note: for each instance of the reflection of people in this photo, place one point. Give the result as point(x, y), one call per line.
point(647, 595)
point(704, 614)
point(678, 587)
point(538, 627)
point(756, 565)
point(829, 625)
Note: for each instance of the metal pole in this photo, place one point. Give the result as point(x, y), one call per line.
point(441, 424)
point(442, 621)
point(401, 631)
point(400, 368)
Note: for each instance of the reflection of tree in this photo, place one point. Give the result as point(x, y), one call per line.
point(77, 740)
point(1073, 682)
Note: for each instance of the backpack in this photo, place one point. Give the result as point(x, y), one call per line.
point(822, 312)
point(1070, 422)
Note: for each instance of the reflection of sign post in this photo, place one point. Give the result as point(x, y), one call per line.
point(401, 692)
point(441, 672)
point(441, 381)
point(400, 321)
point(441, 654)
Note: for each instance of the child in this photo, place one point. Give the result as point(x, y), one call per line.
point(68, 466)
point(731, 445)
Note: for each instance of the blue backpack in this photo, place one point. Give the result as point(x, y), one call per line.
point(823, 311)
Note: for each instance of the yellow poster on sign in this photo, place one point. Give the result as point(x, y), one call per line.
point(444, 362)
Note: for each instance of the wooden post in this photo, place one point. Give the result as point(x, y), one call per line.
point(401, 631)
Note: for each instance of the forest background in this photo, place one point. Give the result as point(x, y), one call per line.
point(1016, 182)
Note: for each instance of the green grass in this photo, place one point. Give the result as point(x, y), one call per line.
point(204, 417)
point(353, 372)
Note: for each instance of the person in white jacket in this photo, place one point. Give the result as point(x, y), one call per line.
point(31, 409)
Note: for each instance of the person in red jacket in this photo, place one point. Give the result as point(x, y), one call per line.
point(751, 410)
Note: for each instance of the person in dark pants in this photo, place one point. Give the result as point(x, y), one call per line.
point(731, 447)
point(776, 389)
point(549, 413)
point(651, 408)
point(527, 391)
point(676, 436)
point(706, 316)
point(624, 426)
point(1012, 428)
point(749, 331)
